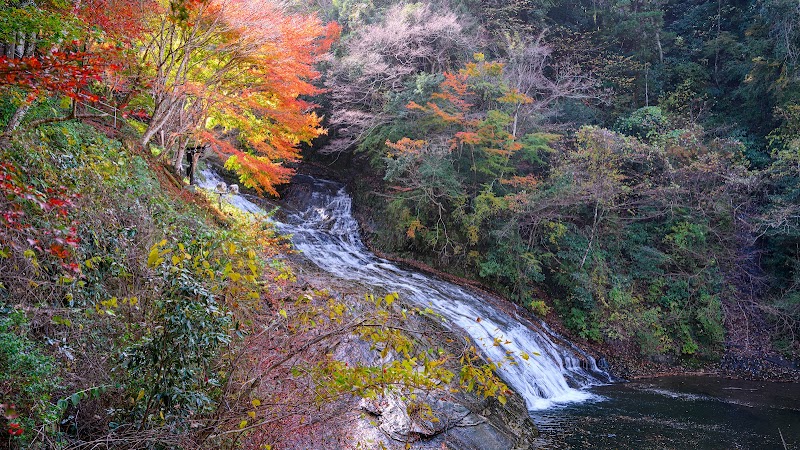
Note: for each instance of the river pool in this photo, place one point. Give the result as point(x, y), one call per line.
point(679, 412)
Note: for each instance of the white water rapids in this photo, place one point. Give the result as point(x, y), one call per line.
point(322, 227)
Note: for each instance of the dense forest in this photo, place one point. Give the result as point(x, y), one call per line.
point(628, 170)
point(626, 164)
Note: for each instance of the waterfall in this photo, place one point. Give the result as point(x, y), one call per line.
point(321, 225)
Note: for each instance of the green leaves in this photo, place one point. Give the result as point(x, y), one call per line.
point(77, 397)
point(188, 325)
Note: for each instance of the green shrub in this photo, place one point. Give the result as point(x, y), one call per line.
point(540, 308)
point(173, 366)
point(645, 123)
point(27, 378)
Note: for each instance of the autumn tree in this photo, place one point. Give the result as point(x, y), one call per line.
point(451, 173)
point(223, 65)
point(65, 48)
point(382, 59)
point(534, 71)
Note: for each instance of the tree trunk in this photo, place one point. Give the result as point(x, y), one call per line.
point(10, 46)
point(178, 162)
point(16, 119)
point(719, 33)
point(152, 129)
point(30, 45)
point(193, 159)
point(516, 120)
point(660, 48)
point(161, 114)
point(19, 51)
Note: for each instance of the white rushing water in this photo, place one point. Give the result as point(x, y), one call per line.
point(323, 228)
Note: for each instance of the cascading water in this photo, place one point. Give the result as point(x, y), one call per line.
point(323, 228)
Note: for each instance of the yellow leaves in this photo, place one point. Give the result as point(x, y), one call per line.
point(388, 299)
point(407, 146)
point(283, 314)
point(89, 263)
point(31, 257)
point(156, 256)
point(413, 227)
point(242, 424)
point(557, 230)
point(472, 234)
point(256, 403)
point(480, 377)
point(515, 97)
point(524, 356)
point(335, 310)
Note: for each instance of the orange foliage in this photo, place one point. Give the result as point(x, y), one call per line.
point(525, 182)
point(455, 91)
point(407, 146)
point(264, 101)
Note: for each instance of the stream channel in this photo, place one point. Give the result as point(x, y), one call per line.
point(574, 403)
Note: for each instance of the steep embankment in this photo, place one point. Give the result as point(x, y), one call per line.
point(86, 312)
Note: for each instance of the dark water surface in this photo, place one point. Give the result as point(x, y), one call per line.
point(681, 412)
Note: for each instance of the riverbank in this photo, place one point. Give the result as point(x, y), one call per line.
point(622, 359)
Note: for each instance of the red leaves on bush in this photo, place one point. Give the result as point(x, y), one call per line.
point(45, 227)
point(9, 412)
point(14, 429)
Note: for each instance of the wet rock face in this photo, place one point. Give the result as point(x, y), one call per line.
point(456, 420)
point(431, 419)
point(396, 421)
point(298, 195)
point(450, 422)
